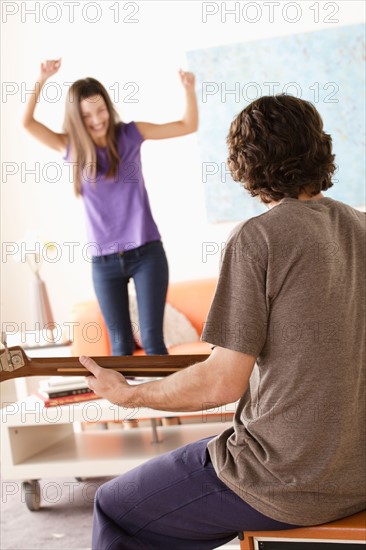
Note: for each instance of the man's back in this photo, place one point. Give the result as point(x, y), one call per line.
point(294, 280)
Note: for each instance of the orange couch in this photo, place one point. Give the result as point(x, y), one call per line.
point(192, 298)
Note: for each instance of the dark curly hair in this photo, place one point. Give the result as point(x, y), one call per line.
point(277, 148)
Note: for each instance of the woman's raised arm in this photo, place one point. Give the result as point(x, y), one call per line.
point(187, 125)
point(40, 131)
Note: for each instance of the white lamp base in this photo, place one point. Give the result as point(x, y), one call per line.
point(41, 309)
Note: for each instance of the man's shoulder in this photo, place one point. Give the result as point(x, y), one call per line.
point(259, 227)
point(292, 215)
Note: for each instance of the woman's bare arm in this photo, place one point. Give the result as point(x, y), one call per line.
point(187, 125)
point(40, 131)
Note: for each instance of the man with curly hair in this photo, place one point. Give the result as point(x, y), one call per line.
point(287, 326)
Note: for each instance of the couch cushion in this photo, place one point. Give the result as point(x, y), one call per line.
point(89, 336)
point(193, 298)
point(177, 328)
point(190, 348)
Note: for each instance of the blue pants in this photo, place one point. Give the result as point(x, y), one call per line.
point(172, 502)
point(148, 267)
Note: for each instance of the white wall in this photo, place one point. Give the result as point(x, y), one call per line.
point(148, 53)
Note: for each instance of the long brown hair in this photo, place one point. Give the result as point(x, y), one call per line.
point(81, 146)
point(277, 148)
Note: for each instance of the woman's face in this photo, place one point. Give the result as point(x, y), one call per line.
point(95, 115)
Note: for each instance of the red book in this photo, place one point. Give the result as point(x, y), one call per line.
point(67, 399)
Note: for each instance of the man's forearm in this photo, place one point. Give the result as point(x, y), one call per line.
point(186, 390)
point(220, 379)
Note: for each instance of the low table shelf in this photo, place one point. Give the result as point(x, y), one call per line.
point(39, 442)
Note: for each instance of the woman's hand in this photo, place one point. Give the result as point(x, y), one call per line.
point(49, 68)
point(107, 383)
point(187, 79)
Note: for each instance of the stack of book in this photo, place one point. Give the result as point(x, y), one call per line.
point(63, 390)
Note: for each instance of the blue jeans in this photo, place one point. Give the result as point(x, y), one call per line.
point(148, 267)
point(174, 501)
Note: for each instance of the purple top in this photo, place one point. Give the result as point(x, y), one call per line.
point(117, 209)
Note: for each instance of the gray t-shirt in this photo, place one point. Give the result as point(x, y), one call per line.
point(291, 292)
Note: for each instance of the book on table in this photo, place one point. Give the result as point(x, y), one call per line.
point(66, 399)
point(63, 390)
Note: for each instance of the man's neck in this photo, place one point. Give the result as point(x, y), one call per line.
point(302, 197)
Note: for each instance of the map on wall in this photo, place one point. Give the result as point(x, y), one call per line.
point(325, 67)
